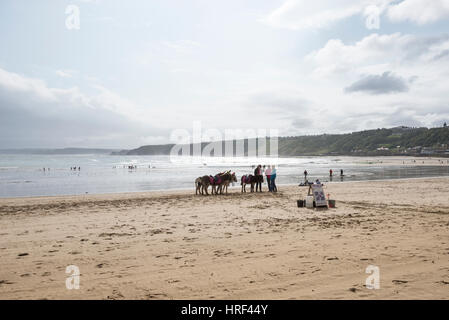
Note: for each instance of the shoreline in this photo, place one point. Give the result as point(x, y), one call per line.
point(104, 180)
point(182, 190)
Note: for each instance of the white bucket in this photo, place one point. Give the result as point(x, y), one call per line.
point(309, 202)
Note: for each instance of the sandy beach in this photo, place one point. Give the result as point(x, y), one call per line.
point(175, 245)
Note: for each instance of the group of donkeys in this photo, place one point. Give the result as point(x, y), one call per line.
point(221, 181)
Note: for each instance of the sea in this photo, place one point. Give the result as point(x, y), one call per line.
point(52, 175)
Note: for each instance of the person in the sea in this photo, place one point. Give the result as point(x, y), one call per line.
point(273, 179)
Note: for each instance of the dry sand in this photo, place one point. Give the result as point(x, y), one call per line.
point(175, 245)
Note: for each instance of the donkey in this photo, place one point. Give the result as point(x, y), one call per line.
point(205, 183)
point(214, 182)
point(217, 182)
point(228, 178)
point(248, 179)
point(198, 186)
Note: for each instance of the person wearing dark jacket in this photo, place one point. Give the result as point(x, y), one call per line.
point(259, 178)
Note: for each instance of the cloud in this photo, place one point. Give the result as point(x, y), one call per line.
point(32, 114)
point(386, 50)
point(303, 14)
point(279, 103)
point(412, 61)
point(66, 73)
point(418, 11)
point(379, 84)
point(442, 55)
point(182, 46)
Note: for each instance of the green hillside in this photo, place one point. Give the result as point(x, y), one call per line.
point(394, 141)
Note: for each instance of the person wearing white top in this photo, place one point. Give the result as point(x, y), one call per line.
point(268, 175)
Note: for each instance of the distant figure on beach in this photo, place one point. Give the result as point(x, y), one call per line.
point(259, 177)
point(273, 179)
point(79, 168)
point(331, 172)
point(341, 172)
point(268, 175)
point(305, 175)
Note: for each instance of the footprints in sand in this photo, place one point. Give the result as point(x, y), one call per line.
point(158, 231)
point(332, 258)
point(399, 281)
point(156, 296)
point(4, 282)
point(116, 294)
point(177, 248)
point(189, 239)
point(114, 234)
point(222, 253)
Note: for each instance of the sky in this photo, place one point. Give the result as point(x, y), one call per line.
point(121, 74)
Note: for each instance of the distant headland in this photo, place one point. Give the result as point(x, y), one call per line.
point(397, 141)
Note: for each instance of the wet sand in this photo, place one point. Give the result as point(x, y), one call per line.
point(175, 245)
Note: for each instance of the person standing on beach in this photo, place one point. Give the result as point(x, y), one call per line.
point(331, 172)
point(273, 179)
point(259, 177)
point(341, 173)
point(268, 174)
point(305, 175)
